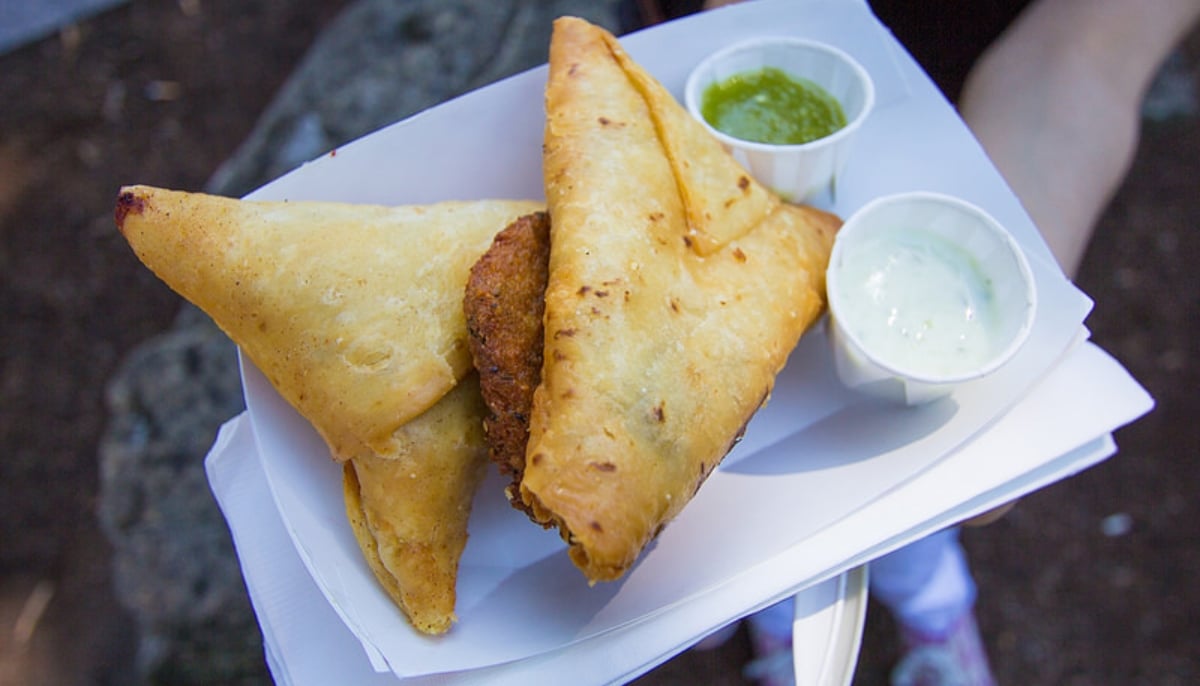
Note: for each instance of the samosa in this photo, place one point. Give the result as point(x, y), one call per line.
point(677, 287)
point(409, 507)
point(353, 313)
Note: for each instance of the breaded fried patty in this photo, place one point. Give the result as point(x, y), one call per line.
point(504, 302)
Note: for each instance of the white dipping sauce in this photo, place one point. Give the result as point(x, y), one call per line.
point(918, 303)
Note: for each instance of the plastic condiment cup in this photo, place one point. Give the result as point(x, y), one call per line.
point(926, 292)
point(801, 172)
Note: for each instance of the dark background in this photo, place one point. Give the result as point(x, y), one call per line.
point(162, 92)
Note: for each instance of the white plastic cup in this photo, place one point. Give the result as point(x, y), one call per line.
point(798, 173)
point(992, 254)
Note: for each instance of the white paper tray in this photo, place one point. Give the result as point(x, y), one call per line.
point(308, 645)
point(796, 503)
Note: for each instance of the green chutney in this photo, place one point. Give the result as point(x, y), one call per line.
point(770, 106)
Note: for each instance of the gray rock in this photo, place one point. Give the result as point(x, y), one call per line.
point(175, 567)
point(174, 564)
point(382, 61)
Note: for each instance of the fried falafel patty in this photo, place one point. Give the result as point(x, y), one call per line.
point(504, 303)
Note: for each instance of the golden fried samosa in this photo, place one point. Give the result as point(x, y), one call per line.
point(409, 507)
point(353, 312)
point(657, 350)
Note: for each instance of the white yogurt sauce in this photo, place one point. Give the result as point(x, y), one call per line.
point(917, 302)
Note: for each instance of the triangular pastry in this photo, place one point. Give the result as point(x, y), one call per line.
point(409, 508)
point(677, 288)
point(354, 314)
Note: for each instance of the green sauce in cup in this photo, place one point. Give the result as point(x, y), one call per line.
point(771, 106)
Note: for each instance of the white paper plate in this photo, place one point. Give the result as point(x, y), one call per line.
point(308, 645)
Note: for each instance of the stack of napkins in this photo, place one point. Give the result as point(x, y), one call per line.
point(824, 481)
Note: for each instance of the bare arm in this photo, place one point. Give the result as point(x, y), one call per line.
point(1056, 101)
